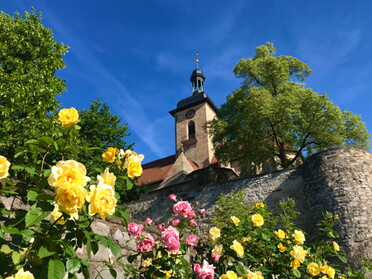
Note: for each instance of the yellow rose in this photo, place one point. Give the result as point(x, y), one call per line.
point(217, 249)
point(102, 200)
point(4, 167)
point(280, 234)
point(295, 264)
point(257, 220)
point(68, 117)
point(229, 275)
point(68, 173)
point(71, 199)
point(238, 248)
point(235, 220)
point(134, 169)
point(21, 274)
point(328, 270)
point(109, 155)
point(336, 247)
point(259, 205)
point(299, 237)
point(107, 178)
point(298, 253)
point(214, 233)
point(281, 248)
point(168, 273)
point(56, 214)
point(253, 275)
point(313, 269)
point(147, 262)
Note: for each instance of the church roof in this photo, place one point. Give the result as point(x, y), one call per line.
point(157, 171)
point(194, 100)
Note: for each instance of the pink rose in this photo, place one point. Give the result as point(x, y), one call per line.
point(192, 222)
point(135, 229)
point(196, 203)
point(160, 227)
point(205, 272)
point(146, 244)
point(148, 221)
point(216, 257)
point(175, 222)
point(171, 239)
point(191, 240)
point(172, 197)
point(191, 214)
point(182, 208)
point(202, 211)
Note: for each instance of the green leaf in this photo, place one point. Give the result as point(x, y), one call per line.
point(47, 173)
point(18, 167)
point(31, 141)
point(32, 195)
point(88, 243)
point(342, 258)
point(47, 140)
point(296, 272)
point(44, 252)
point(113, 272)
point(129, 184)
point(5, 212)
point(35, 215)
point(131, 258)
point(16, 257)
point(239, 269)
point(115, 249)
point(5, 249)
point(56, 269)
point(95, 247)
point(265, 237)
point(30, 170)
point(27, 234)
point(73, 265)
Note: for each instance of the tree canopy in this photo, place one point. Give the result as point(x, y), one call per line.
point(273, 118)
point(100, 129)
point(29, 59)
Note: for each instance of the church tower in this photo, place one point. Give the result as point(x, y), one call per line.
point(190, 117)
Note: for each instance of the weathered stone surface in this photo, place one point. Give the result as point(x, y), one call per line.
point(101, 228)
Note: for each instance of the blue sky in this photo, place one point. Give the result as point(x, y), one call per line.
point(137, 56)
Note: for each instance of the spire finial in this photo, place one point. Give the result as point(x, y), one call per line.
point(196, 60)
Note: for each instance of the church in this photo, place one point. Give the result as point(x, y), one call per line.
point(194, 161)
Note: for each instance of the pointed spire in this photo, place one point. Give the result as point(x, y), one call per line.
point(197, 77)
point(196, 60)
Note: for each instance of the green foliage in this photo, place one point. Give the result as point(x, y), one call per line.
point(274, 118)
point(47, 248)
point(29, 59)
point(99, 130)
point(266, 251)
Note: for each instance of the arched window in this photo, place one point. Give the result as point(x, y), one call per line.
point(191, 129)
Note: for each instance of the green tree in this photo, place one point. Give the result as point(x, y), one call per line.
point(273, 117)
point(100, 129)
point(29, 59)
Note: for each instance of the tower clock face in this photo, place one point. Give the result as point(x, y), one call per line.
point(190, 113)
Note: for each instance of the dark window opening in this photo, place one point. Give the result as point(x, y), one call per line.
point(191, 130)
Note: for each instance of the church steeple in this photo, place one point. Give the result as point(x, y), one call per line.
point(197, 78)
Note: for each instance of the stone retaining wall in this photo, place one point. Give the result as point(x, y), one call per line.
point(338, 180)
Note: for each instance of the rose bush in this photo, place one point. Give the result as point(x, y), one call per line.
point(42, 241)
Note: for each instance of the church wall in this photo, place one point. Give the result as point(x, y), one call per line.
point(199, 151)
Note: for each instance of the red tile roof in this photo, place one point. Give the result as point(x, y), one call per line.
point(156, 171)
